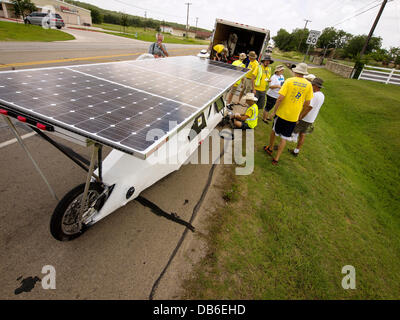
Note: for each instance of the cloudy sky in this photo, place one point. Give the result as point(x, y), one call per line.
point(273, 14)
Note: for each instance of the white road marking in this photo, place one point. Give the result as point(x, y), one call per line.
point(7, 143)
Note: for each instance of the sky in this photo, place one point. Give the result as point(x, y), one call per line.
point(272, 14)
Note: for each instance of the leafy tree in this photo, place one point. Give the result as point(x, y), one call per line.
point(124, 21)
point(299, 37)
point(355, 45)
point(97, 17)
point(282, 39)
point(23, 8)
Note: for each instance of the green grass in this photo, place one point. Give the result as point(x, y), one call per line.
point(146, 35)
point(10, 31)
point(292, 228)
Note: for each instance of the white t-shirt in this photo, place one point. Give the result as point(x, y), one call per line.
point(316, 104)
point(275, 81)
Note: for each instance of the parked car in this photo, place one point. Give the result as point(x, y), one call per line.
point(43, 19)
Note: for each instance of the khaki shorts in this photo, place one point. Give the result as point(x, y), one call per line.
point(233, 89)
point(248, 85)
point(304, 127)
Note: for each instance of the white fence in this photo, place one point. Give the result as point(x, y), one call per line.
point(379, 74)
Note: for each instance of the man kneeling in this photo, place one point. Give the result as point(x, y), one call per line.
point(248, 120)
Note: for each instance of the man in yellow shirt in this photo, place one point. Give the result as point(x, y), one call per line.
point(248, 83)
point(295, 94)
point(261, 77)
point(221, 53)
point(248, 120)
point(237, 63)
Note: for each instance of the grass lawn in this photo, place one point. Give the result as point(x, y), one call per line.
point(148, 35)
point(287, 231)
point(11, 31)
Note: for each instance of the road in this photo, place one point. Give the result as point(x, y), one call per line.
point(88, 47)
point(124, 255)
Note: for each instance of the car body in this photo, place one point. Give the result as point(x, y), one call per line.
point(45, 19)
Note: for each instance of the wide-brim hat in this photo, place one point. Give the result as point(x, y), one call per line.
point(250, 96)
point(317, 82)
point(252, 54)
point(310, 77)
point(242, 56)
point(267, 58)
point(279, 68)
point(301, 68)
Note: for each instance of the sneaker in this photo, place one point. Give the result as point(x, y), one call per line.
point(230, 106)
point(274, 162)
point(291, 151)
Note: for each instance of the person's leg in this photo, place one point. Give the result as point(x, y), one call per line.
point(282, 145)
point(230, 95)
point(302, 137)
point(272, 137)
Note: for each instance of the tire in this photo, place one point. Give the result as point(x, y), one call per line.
point(59, 27)
point(68, 230)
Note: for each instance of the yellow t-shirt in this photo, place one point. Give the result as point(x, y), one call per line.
point(252, 113)
point(253, 65)
point(218, 48)
point(266, 74)
point(296, 90)
point(238, 63)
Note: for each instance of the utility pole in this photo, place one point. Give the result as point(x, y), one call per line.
point(187, 18)
point(145, 20)
point(305, 26)
point(373, 28)
point(197, 19)
point(358, 65)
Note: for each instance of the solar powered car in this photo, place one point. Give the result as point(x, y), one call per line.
point(153, 113)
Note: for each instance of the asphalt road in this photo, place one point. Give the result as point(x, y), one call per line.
point(88, 47)
point(122, 256)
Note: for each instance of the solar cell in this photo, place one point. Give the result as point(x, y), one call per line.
point(119, 103)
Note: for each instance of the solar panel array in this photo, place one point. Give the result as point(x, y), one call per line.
point(118, 103)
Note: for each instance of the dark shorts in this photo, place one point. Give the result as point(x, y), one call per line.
point(270, 103)
point(283, 128)
point(260, 95)
point(304, 127)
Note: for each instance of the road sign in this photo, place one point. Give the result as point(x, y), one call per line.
point(313, 37)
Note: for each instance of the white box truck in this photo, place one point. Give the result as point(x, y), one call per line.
point(239, 38)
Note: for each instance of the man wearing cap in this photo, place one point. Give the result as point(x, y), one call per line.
point(308, 115)
point(237, 63)
point(248, 120)
point(261, 77)
point(248, 84)
point(295, 94)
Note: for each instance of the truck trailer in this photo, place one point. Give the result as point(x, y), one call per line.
point(238, 38)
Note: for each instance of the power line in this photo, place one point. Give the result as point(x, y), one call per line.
point(151, 10)
point(356, 15)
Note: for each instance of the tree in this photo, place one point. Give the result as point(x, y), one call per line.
point(355, 45)
point(297, 36)
point(97, 17)
point(282, 39)
point(124, 21)
point(23, 8)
